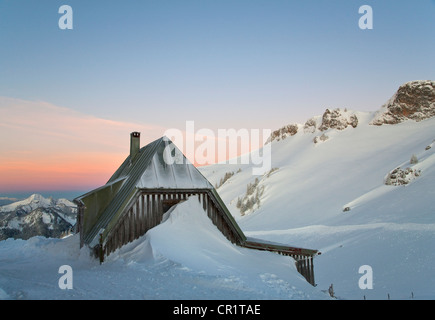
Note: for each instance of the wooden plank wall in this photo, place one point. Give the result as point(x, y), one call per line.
point(146, 211)
point(304, 258)
point(80, 219)
point(305, 266)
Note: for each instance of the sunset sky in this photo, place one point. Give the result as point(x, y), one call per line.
point(70, 98)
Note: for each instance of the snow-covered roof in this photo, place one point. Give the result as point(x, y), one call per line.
point(158, 165)
point(179, 175)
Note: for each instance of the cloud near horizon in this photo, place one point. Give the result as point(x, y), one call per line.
point(44, 147)
point(47, 147)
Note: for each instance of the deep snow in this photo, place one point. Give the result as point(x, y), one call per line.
point(390, 228)
point(185, 257)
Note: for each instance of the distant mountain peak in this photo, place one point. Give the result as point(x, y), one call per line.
point(37, 215)
point(36, 197)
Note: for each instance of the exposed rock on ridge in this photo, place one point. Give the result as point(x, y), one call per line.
point(335, 119)
point(284, 132)
point(413, 100)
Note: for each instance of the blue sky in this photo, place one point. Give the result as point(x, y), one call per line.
point(239, 63)
point(153, 65)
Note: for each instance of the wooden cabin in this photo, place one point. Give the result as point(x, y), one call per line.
point(149, 182)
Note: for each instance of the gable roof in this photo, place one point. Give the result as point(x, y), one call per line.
point(158, 165)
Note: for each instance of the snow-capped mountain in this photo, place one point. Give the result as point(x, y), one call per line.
point(37, 216)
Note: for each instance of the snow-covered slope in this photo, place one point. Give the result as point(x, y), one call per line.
point(330, 187)
point(330, 194)
point(185, 257)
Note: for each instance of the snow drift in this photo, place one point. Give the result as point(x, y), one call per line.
point(185, 257)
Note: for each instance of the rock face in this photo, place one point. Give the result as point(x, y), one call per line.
point(284, 132)
point(400, 177)
point(336, 119)
point(414, 100)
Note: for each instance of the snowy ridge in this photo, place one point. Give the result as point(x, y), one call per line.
point(29, 204)
point(35, 201)
point(331, 119)
point(35, 216)
point(387, 227)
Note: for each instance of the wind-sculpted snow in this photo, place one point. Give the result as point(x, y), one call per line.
point(186, 257)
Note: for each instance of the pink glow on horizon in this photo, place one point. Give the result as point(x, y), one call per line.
point(45, 147)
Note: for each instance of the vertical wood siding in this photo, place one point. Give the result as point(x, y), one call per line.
point(146, 210)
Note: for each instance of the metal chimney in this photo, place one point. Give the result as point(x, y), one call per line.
point(134, 145)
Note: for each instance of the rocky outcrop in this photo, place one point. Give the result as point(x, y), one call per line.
point(401, 177)
point(336, 119)
point(284, 132)
point(414, 100)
